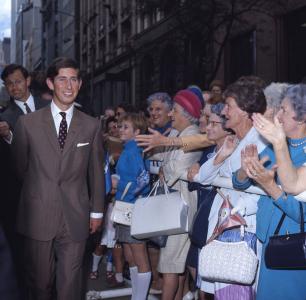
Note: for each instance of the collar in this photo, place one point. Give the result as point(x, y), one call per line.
point(55, 110)
point(29, 101)
point(130, 144)
point(164, 128)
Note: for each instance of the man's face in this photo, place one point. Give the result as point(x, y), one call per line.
point(65, 87)
point(17, 86)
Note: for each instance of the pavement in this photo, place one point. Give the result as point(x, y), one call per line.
point(97, 289)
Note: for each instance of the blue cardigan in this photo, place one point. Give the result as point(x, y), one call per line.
point(129, 167)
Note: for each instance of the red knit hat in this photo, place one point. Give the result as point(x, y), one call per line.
point(189, 101)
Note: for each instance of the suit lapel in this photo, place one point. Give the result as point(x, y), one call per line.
point(17, 109)
point(73, 131)
point(50, 129)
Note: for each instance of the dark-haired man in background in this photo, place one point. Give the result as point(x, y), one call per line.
point(17, 81)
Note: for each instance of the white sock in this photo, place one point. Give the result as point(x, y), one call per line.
point(133, 274)
point(188, 296)
point(109, 266)
point(119, 277)
point(143, 283)
point(95, 262)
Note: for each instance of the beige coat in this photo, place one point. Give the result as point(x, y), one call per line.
point(175, 164)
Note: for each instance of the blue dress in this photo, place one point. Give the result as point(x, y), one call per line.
point(279, 284)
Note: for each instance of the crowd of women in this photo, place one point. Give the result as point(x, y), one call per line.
point(250, 133)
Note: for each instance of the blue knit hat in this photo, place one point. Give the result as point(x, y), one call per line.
point(198, 92)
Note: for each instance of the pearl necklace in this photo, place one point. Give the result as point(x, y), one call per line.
point(297, 144)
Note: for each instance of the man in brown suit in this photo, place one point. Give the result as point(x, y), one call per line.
point(59, 155)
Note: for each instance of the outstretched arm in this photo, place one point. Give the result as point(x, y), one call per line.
point(187, 143)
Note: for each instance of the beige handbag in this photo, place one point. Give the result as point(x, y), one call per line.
point(155, 215)
point(122, 211)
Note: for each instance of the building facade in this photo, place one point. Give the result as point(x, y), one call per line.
point(26, 33)
point(60, 28)
point(128, 49)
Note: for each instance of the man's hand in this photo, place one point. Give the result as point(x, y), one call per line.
point(5, 130)
point(95, 224)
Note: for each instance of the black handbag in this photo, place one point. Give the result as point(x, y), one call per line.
point(198, 232)
point(287, 251)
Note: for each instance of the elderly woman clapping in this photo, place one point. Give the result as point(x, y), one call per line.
point(241, 100)
point(293, 180)
point(278, 284)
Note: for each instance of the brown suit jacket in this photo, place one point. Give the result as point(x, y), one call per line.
point(55, 182)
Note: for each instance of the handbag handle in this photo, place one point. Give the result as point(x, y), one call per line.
point(155, 186)
point(280, 223)
point(125, 190)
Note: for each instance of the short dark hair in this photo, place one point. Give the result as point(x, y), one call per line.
point(249, 97)
point(61, 63)
point(10, 69)
point(127, 107)
point(252, 80)
point(110, 120)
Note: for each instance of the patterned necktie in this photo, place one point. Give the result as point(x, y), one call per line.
point(28, 109)
point(62, 133)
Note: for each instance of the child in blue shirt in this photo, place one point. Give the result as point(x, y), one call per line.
point(131, 168)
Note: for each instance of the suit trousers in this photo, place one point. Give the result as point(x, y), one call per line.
point(59, 262)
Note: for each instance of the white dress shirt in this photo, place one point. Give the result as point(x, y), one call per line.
point(29, 102)
point(55, 111)
point(20, 104)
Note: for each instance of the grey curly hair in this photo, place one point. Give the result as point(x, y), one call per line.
point(274, 93)
point(163, 97)
point(296, 94)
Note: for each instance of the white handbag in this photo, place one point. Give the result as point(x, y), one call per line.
point(165, 214)
point(122, 211)
point(228, 262)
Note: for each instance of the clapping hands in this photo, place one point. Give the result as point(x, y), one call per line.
point(271, 131)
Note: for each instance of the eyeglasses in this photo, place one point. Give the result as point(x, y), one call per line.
point(213, 123)
point(13, 82)
point(64, 80)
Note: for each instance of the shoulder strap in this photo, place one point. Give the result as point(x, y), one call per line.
point(125, 190)
point(280, 223)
